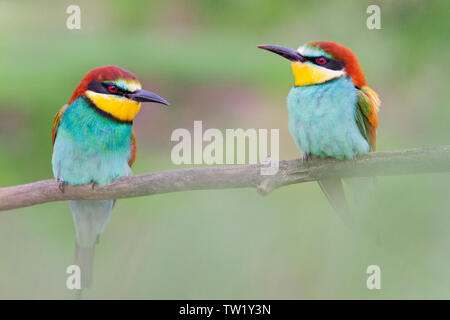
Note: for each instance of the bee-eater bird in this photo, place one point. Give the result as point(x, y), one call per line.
point(332, 111)
point(93, 142)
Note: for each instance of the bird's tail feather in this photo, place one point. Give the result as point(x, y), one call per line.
point(91, 218)
point(334, 191)
point(363, 190)
point(84, 258)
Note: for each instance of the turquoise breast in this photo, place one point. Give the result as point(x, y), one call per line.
point(90, 147)
point(322, 120)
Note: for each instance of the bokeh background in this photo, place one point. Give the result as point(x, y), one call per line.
point(202, 57)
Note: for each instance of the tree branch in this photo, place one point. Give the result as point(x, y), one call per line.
point(413, 161)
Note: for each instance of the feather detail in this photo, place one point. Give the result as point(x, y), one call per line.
point(57, 121)
point(133, 149)
point(367, 107)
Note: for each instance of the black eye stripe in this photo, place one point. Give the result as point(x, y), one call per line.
point(330, 64)
point(97, 87)
point(119, 92)
point(102, 87)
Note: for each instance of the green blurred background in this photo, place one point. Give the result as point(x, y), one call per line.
point(202, 57)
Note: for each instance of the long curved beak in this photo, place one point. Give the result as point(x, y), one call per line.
point(146, 96)
point(288, 53)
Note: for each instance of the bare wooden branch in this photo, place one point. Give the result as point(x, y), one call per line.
point(413, 161)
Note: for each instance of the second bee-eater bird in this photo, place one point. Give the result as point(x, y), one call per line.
point(93, 143)
point(332, 111)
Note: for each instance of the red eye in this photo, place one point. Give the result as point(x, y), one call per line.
point(112, 89)
point(321, 60)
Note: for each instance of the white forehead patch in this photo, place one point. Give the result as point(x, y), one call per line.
point(310, 51)
point(130, 85)
point(134, 86)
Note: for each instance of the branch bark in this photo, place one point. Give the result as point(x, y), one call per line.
point(412, 161)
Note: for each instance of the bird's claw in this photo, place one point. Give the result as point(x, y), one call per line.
point(93, 184)
point(61, 186)
point(306, 157)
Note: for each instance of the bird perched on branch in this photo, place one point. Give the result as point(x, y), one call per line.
point(93, 143)
point(332, 111)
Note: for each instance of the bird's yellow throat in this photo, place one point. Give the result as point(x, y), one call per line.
point(119, 107)
point(306, 74)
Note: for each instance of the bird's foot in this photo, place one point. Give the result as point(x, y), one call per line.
point(354, 161)
point(93, 184)
point(305, 158)
point(62, 186)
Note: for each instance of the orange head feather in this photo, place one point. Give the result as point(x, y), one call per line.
point(341, 53)
point(106, 73)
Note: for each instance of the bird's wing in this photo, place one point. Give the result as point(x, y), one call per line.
point(57, 121)
point(367, 107)
point(133, 149)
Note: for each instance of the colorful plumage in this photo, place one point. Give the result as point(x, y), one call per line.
point(332, 111)
point(93, 142)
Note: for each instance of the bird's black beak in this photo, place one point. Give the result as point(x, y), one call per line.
point(289, 54)
point(146, 96)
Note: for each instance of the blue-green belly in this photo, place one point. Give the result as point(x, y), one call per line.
point(322, 120)
point(90, 147)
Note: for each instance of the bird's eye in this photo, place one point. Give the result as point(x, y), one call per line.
point(321, 60)
point(112, 89)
